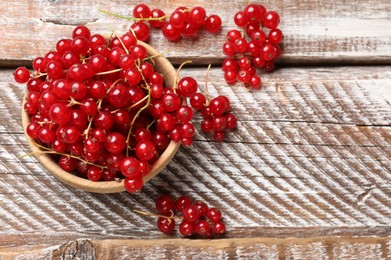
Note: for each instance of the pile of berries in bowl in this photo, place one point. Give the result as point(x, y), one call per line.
point(99, 111)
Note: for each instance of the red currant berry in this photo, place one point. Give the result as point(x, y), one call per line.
point(191, 213)
point(218, 106)
point(166, 122)
point(214, 214)
point(171, 102)
point(258, 37)
point(141, 30)
point(231, 121)
point(231, 76)
point(198, 101)
point(80, 45)
point(244, 63)
point(170, 32)
point(133, 185)
point(203, 228)
point(202, 207)
point(165, 204)
point(145, 150)
point(67, 163)
point(64, 45)
point(130, 167)
point(233, 34)
point(229, 64)
point(60, 113)
point(158, 18)
point(213, 23)
point(91, 145)
point(218, 228)
point(197, 15)
point(187, 86)
point(244, 76)
point(182, 202)
point(240, 45)
point(255, 82)
point(239, 19)
point(207, 125)
point(187, 228)
point(54, 69)
point(253, 12)
point(268, 52)
point(271, 20)
point(114, 161)
point(59, 146)
point(229, 48)
point(39, 64)
point(82, 31)
point(46, 134)
point(275, 36)
point(94, 173)
point(115, 142)
point(219, 136)
point(71, 134)
point(184, 113)
point(175, 134)
point(32, 130)
point(178, 19)
point(187, 130)
point(96, 40)
point(108, 175)
point(118, 95)
point(166, 225)
point(141, 11)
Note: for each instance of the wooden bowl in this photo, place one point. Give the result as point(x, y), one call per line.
point(163, 66)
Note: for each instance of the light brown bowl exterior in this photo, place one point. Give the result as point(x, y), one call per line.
point(163, 66)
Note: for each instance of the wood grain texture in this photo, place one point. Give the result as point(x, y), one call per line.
point(306, 175)
point(310, 157)
point(249, 248)
point(316, 32)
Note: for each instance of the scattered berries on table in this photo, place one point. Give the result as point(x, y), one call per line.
point(194, 218)
point(255, 45)
point(182, 22)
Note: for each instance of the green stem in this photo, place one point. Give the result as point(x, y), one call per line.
point(133, 18)
point(48, 151)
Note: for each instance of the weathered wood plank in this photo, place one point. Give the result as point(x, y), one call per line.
point(310, 158)
point(248, 248)
point(315, 32)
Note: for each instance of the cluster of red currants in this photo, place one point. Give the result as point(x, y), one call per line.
point(197, 218)
point(100, 107)
point(216, 115)
point(260, 51)
point(183, 22)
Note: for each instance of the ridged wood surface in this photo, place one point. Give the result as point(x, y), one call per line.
point(306, 175)
point(315, 31)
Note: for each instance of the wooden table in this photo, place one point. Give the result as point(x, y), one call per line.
point(306, 175)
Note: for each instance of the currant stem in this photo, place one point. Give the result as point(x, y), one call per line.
point(157, 215)
point(38, 74)
point(206, 84)
point(133, 18)
point(48, 151)
point(138, 102)
point(177, 73)
point(156, 55)
point(108, 72)
point(148, 96)
point(122, 43)
point(73, 102)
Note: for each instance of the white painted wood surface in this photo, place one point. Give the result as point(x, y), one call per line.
point(310, 158)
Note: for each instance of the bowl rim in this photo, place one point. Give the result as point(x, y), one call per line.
point(107, 186)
